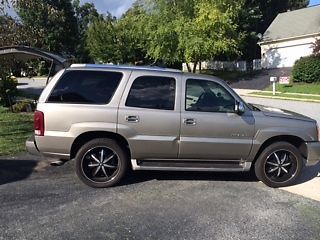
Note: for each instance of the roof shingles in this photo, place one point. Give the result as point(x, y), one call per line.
point(292, 24)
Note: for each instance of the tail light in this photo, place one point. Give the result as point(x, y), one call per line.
point(38, 123)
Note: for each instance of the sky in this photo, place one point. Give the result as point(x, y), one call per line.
point(115, 7)
point(314, 2)
point(118, 7)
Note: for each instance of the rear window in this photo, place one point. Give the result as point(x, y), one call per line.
point(85, 87)
point(152, 92)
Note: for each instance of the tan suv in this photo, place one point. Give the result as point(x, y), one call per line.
point(110, 118)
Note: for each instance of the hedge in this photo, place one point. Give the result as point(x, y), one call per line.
point(307, 69)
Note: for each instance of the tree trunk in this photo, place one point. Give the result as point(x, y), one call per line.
point(194, 66)
point(188, 66)
point(200, 67)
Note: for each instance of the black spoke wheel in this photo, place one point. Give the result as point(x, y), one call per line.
point(279, 165)
point(101, 163)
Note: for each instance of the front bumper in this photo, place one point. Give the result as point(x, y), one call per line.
point(313, 153)
point(32, 146)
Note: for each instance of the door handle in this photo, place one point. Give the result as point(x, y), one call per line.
point(132, 118)
point(189, 121)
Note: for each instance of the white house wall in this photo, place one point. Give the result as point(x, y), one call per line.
point(285, 53)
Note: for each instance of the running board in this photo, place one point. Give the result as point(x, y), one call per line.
point(191, 165)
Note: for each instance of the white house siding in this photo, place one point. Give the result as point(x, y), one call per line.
point(280, 54)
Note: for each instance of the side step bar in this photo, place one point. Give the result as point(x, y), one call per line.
point(191, 165)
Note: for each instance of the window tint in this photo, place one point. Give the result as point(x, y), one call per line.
point(208, 96)
point(88, 87)
point(152, 92)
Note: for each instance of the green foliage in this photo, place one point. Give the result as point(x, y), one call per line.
point(119, 41)
point(24, 106)
point(8, 89)
point(86, 14)
point(307, 69)
point(52, 23)
point(102, 41)
point(168, 31)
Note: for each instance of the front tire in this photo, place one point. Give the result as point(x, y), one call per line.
point(101, 163)
point(279, 165)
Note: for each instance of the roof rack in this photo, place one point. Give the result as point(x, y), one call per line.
point(128, 67)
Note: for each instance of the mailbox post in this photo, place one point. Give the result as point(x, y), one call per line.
point(273, 80)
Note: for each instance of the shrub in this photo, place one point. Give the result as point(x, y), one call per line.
point(8, 89)
point(25, 105)
point(307, 69)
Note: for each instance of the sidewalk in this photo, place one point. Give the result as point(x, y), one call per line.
point(309, 185)
point(290, 96)
point(244, 92)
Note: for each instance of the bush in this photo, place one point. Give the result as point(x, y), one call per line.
point(25, 105)
point(8, 89)
point(307, 69)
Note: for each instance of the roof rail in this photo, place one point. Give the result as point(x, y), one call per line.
point(128, 67)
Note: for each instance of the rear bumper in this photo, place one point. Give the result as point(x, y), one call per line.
point(313, 153)
point(31, 146)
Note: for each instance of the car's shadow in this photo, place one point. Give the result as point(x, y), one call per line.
point(15, 170)
point(309, 173)
point(12, 170)
point(132, 177)
point(144, 176)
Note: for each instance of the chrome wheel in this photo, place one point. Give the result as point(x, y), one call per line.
point(281, 166)
point(100, 164)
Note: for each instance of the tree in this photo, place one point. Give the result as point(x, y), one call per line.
point(132, 35)
point(119, 41)
point(102, 40)
point(86, 14)
point(193, 31)
point(53, 20)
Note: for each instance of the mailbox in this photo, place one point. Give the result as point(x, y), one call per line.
point(273, 79)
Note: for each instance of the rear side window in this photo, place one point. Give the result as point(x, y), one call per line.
point(85, 87)
point(152, 92)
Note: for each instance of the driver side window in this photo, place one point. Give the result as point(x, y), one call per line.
point(207, 96)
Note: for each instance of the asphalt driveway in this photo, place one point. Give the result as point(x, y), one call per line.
point(39, 201)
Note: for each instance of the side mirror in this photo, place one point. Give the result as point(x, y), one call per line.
point(239, 108)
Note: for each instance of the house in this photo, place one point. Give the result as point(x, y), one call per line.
point(289, 37)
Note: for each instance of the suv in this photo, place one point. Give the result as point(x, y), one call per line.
point(109, 118)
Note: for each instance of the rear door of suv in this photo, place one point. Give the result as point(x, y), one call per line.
point(81, 100)
point(149, 114)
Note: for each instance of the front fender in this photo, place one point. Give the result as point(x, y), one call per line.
point(264, 135)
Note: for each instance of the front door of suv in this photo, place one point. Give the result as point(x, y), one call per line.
point(210, 127)
point(149, 115)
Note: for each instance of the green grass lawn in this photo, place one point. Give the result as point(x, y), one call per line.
point(307, 88)
point(15, 128)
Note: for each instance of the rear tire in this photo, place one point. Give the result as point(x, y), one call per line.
point(279, 165)
point(101, 163)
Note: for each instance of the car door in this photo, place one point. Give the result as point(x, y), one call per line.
point(149, 115)
point(210, 127)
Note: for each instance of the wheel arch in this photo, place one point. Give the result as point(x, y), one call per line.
point(296, 141)
point(88, 136)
